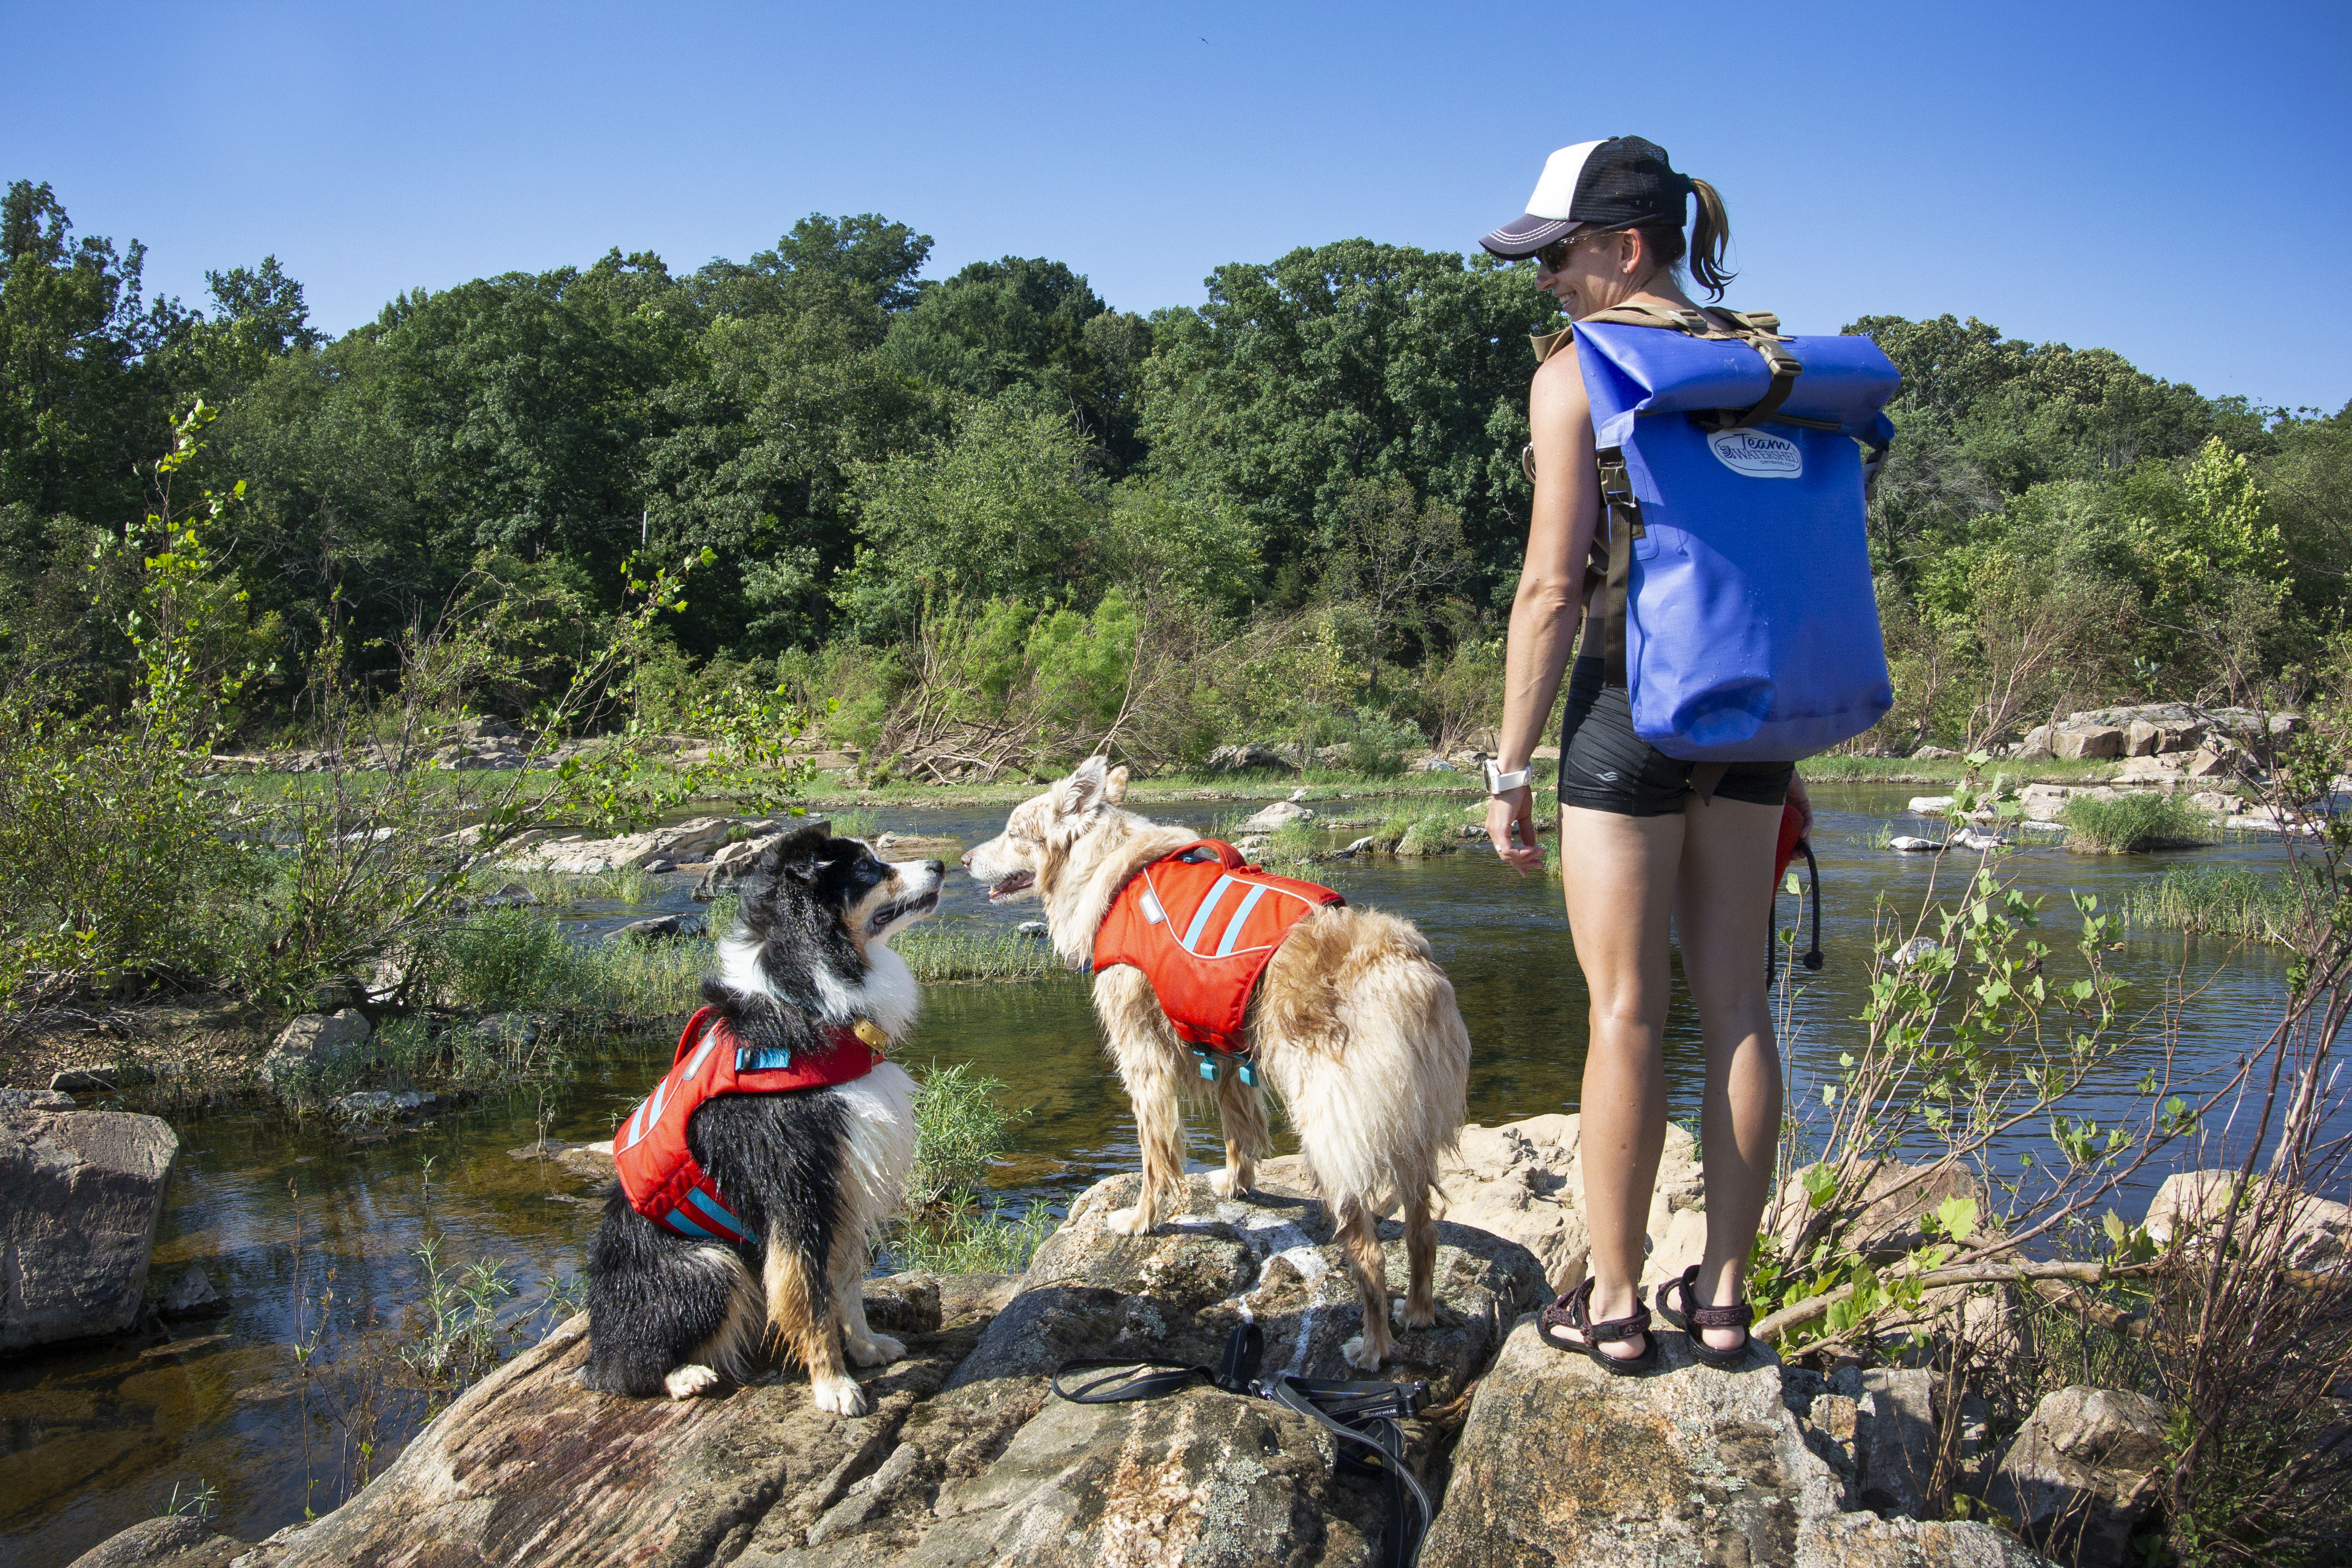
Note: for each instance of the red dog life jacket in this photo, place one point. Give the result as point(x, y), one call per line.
point(1203, 931)
point(664, 1181)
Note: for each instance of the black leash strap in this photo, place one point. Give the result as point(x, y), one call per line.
point(1361, 1416)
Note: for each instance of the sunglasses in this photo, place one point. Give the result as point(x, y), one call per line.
point(1554, 255)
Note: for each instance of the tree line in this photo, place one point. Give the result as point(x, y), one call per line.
point(995, 485)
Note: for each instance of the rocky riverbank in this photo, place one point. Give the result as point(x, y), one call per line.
point(967, 1458)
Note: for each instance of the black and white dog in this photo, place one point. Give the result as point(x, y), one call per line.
point(811, 1174)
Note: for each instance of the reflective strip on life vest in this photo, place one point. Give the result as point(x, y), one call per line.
point(1241, 918)
point(1201, 916)
point(718, 1211)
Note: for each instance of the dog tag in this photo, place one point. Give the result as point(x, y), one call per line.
point(871, 1033)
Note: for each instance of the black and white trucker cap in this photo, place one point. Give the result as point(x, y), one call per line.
point(1621, 182)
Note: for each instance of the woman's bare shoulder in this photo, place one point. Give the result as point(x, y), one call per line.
point(1559, 380)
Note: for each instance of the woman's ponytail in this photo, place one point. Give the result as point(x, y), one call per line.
point(1710, 233)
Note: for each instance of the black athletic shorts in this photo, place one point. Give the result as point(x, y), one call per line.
point(1606, 766)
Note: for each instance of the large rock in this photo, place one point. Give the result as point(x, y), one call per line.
point(173, 1540)
point(2319, 1230)
point(529, 1468)
point(1895, 1203)
point(692, 840)
point(315, 1042)
point(730, 866)
point(966, 1458)
point(80, 1194)
point(1249, 757)
point(2080, 1473)
point(1894, 1437)
point(1280, 814)
point(1524, 1181)
point(2087, 742)
point(1563, 1465)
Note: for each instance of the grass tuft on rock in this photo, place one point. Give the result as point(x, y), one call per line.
point(2139, 820)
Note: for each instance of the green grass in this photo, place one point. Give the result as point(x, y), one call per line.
point(964, 1240)
point(2224, 900)
point(2143, 819)
point(961, 1129)
point(560, 890)
point(1835, 768)
point(956, 952)
point(1292, 844)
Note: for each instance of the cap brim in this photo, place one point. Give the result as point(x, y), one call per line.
point(1527, 234)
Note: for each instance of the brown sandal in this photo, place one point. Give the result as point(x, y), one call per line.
point(1574, 1310)
point(1693, 1318)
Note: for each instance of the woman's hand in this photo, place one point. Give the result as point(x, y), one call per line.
point(1802, 802)
point(1514, 808)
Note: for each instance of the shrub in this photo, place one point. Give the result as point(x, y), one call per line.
point(962, 1239)
point(2135, 820)
point(959, 1131)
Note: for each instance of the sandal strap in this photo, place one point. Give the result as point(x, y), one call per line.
point(1610, 1331)
point(1737, 1316)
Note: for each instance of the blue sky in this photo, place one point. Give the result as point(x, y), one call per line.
point(2166, 181)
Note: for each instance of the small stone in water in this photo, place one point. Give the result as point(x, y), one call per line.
point(660, 868)
point(1031, 928)
point(1917, 948)
point(1907, 846)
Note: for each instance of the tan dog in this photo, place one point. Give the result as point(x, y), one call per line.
point(1353, 1025)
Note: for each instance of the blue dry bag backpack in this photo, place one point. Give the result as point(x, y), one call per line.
point(1738, 611)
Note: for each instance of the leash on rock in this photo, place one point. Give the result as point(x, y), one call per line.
point(1361, 1416)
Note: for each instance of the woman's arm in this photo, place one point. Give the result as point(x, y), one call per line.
point(1549, 603)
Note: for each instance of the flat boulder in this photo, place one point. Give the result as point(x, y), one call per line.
point(529, 1467)
point(80, 1195)
point(2080, 1473)
point(170, 1541)
point(1561, 1464)
point(1280, 814)
point(2088, 742)
point(316, 1041)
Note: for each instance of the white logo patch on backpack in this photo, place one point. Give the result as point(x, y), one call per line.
point(1757, 454)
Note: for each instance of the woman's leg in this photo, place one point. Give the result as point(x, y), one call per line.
point(1619, 873)
point(1723, 920)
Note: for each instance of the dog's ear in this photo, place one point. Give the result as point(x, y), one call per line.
point(1115, 785)
point(798, 853)
point(1083, 790)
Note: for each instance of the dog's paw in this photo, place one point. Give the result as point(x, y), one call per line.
point(1122, 1222)
point(689, 1381)
point(1227, 1184)
point(839, 1396)
point(1408, 1317)
point(877, 1349)
point(1362, 1354)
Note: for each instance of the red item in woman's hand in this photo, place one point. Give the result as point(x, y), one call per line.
point(1792, 832)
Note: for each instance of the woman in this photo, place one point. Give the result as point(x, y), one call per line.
point(1643, 853)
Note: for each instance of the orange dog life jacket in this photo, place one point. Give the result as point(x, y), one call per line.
point(664, 1181)
point(1203, 931)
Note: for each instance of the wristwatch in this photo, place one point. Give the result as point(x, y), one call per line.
point(1501, 783)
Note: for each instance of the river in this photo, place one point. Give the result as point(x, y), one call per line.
point(93, 1440)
